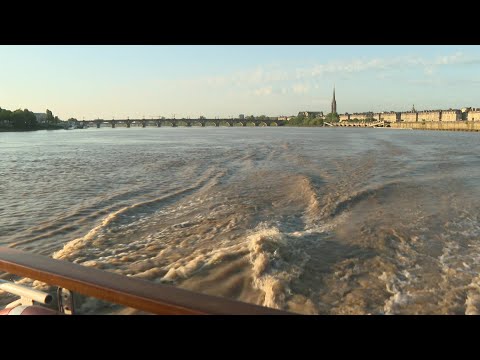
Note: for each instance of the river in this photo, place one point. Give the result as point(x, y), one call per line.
point(310, 220)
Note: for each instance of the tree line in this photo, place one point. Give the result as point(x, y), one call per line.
point(26, 120)
point(302, 120)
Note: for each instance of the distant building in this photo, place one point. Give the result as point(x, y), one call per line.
point(241, 116)
point(451, 115)
point(311, 114)
point(390, 116)
point(285, 118)
point(409, 116)
point(429, 115)
point(474, 114)
point(41, 117)
point(465, 111)
point(361, 116)
point(334, 102)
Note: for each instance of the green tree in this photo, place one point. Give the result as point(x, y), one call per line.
point(18, 119)
point(23, 119)
point(318, 121)
point(302, 120)
point(5, 117)
point(50, 119)
point(332, 117)
point(30, 119)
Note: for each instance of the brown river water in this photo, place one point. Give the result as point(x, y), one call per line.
point(310, 220)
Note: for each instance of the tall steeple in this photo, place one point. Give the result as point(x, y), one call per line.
point(334, 102)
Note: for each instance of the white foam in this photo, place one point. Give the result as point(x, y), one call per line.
point(75, 245)
point(271, 273)
point(472, 302)
point(188, 265)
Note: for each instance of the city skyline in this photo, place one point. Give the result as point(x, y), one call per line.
point(188, 81)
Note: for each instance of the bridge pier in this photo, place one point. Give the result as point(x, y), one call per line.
point(113, 124)
point(144, 123)
point(128, 124)
point(158, 124)
point(98, 124)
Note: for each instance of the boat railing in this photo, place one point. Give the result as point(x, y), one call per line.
point(27, 295)
point(128, 291)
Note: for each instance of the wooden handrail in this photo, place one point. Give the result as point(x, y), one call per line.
point(136, 293)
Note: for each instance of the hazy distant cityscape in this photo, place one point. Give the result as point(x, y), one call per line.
point(24, 119)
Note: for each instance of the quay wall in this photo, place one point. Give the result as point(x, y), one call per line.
point(439, 125)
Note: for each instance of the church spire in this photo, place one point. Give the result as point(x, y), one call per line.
point(334, 102)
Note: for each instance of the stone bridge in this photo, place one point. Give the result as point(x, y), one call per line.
point(182, 122)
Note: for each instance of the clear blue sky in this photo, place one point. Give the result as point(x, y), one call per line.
point(188, 81)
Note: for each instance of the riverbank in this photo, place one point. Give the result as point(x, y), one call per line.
point(10, 129)
point(296, 125)
point(439, 125)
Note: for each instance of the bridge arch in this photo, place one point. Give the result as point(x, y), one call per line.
point(182, 122)
point(210, 123)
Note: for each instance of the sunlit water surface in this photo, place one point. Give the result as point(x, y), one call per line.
point(310, 220)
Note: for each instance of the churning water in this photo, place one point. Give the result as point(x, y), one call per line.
point(310, 220)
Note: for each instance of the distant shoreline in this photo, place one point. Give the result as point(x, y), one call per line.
point(35, 129)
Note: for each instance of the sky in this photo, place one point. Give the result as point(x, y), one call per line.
point(106, 81)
